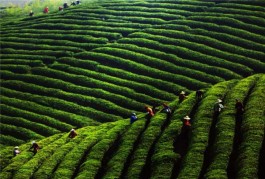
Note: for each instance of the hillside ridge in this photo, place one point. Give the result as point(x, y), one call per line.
point(120, 149)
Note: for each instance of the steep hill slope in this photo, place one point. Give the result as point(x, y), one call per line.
point(224, 147)
point(97, 63)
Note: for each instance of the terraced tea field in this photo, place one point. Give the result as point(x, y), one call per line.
point(92, 65)
point(222, 147)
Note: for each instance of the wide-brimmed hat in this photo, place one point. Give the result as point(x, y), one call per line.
point(134, 114)
point(186, 118)
point(33, 142)
point(219, 100)
point(16, 147)
point(72, 130)
point(182, 92)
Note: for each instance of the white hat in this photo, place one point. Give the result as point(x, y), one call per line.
point(16, 147)
point(187, 117)
point(33, 142)
point(134, 114)
point(219, 100)
point(72, 130)
point(182, 92)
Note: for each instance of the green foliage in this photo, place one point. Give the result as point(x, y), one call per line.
point(193, 161)
point(222, 147)
point(164, 156)
point(253, 132)
point(117, 162)
point(100, 62)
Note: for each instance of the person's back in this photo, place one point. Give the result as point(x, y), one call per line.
point(199, 94)
point(182, 96)
point(31, 13)
point(72, 133)
point(239, 107)
point(16, 151)
point(217, 107)
point(35, 147)
point(65, 5)
point(133, 118)
point(77, 2)
point(167, 110)
point(187, 121)
point(149, 111)
point(60, 8)
point(46, 10)
point(73, 3)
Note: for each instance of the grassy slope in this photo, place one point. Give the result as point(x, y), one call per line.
point(118, 149)
point(96, 63)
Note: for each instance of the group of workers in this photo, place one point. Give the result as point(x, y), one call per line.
point(35, 147)
point(217, 108)
point(65, 5)
point(150, 112)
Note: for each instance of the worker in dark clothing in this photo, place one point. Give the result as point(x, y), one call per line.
point(133, 118)
point(167, 109)
point(72, 134)
point(31, 13)
point(35, 147)
point(65, 5)
point(155, 108)
point(73, 3)
point(239, 107)
point(16, 151)
point(60, 8)
point(78, 2)
point(182, 96)
point(199, 94)
point(150, 112)
point(218, 106)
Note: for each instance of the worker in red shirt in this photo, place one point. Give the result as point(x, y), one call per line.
point(187, 121)
point(150, 112)
point(35, 147)
point(72, 133)
point(46, 10)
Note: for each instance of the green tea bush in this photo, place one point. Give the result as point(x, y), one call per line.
point(231, 39)
point(19, 132)
point(135, 67)
point(117, 161)
point(25, 156)
point(164, 158)
point(193, 161)
point(252, 133)
point(138, 87)
point(148, 139)
point(51, 122)
point(73, 160)
point(187, 54)
point(36, 127)
point(156, 63)
point(222, 147)
point(224, 29)
point(115, 72)
point(95, 159)
point(255, 64)
point(230, 22)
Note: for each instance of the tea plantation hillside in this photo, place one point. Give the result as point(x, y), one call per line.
point(96, 63)
point(222, 147)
